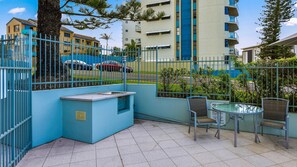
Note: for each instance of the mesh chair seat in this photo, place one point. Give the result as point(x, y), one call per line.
point(206, 120)
point(277, 125)
point(275, 115)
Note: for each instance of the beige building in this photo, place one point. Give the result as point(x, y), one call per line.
point(132, 31)
point(86, 44)
point(189, 31)
point(17, 26)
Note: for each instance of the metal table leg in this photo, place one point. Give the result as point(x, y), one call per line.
point(257, 140)
point(235, 129)
point(218, 124)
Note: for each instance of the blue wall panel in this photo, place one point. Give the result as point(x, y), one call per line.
point(186, 34)
point(47, 111)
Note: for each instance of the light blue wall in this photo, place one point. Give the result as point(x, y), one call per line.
point(148, 106)
point(47, 111)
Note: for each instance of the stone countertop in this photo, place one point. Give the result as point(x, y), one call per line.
point(97, 96)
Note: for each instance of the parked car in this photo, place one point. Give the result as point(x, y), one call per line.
point(113, 66)
point(78, 65)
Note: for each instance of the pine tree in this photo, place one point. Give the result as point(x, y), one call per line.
point(274, 14)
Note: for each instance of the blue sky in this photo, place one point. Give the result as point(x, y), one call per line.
point(249, 11)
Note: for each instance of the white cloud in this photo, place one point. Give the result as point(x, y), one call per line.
point(295, 4)
point(17, 10)
point(291, 22)
point(36, 15)
point(65, 18)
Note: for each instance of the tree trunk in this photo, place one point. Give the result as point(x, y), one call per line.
point(48, 27)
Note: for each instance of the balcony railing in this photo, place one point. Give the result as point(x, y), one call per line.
point(233, 35)
point(233, 3)
point(233, 19)
point(233, 51)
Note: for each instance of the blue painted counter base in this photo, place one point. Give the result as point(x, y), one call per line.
point(102, 119)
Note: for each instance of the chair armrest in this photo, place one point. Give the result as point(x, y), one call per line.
point(287, 118)
point(191, 111)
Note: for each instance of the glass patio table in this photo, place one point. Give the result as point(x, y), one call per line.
point(236, 110)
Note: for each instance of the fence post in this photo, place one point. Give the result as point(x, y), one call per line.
point(230, 84)
point(157, 82)
point(101, 65)
point(138, 61)
point(2, 50)
point(30, 42)
point(124, 58)
point(276, 77)
point(191, 84)
point(72, 49)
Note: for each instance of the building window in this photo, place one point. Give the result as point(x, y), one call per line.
point(194, 45)
point(67, 35)
point(227, 58)
point(226, 27)
point(226, 43)
point(177, 46)
point(126, 22)
point(67, 43)
point(126, 30)
point(126, 39)
point(8, 29)
point(77, 40)
point(16, 28)
point(226, 11)
point(88, 43)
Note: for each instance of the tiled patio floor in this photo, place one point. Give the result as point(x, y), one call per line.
point(158, 144)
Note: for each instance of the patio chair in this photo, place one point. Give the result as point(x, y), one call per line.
point(275, 115)
point(197, 107)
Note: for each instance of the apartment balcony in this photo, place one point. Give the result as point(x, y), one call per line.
point(232, 38)
point(231, 51)
point(138, 28)
point(232, 7)
point(233, 24)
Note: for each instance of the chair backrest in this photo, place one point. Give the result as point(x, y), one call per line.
point(275, 108)
point(198, 104)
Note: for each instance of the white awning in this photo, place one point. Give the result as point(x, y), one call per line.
point(288, 41)
point(159, 46)
point(159, 31)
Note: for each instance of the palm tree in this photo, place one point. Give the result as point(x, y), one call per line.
point(106, 37)
point(131, 46)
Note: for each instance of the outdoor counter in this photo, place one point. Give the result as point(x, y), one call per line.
point(92, 117)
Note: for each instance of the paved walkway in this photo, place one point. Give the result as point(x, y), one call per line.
point(157, 144)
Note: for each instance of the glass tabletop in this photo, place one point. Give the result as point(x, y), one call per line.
point(235, 108)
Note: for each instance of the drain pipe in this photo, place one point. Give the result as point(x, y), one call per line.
point(124, 59)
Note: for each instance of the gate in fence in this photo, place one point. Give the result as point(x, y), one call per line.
point(15, 99)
